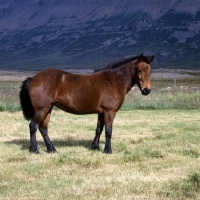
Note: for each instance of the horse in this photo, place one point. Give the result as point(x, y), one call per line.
point(101, 92)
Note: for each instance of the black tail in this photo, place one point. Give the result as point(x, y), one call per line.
point(25, 101)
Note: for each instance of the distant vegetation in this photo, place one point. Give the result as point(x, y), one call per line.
point(172, 99)
point(9, 98)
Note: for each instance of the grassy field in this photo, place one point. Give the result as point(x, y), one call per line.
point(156, 149)
point(156, 155)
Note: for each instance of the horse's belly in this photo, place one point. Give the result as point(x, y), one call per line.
point(79, 106)
point(86, 101)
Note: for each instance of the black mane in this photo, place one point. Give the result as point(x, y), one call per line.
point(118, 63)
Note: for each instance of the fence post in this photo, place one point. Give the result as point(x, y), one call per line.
point(174, 83)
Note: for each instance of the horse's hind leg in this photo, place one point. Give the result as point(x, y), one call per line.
point(37, 121)
point(33, 142)
point(43, 127)
point(99, 129)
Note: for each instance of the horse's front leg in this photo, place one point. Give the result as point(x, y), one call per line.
point(108, 119)
point(99, 129)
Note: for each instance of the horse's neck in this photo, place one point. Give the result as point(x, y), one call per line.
point(125, 75)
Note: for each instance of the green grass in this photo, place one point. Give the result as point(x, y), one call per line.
point(9, 95)
point(155, 156)
point(159, 99)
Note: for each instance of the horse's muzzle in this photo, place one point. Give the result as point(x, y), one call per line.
point(145, 91)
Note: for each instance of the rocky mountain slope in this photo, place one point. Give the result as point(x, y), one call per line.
point(88, 34)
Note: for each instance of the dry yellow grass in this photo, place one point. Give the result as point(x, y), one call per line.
point(156, 155)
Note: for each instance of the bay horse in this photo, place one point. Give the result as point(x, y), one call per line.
point(102, 92)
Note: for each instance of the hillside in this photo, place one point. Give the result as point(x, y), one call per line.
point(82, 34)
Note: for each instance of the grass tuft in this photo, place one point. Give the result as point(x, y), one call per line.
point(183, 188)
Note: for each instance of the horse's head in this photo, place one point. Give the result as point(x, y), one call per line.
point(142, 73)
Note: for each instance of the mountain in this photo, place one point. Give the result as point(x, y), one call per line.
point(38, 34)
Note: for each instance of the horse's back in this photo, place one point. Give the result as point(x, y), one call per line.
point(47, 74)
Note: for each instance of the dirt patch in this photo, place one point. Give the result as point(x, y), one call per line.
point(15, 75)
point(172, 74)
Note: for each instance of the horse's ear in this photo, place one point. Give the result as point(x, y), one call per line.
point(148, 59)
point(140, 58)
point(151, 58)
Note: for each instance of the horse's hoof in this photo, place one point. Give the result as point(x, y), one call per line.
point(95, 148)
point(52, 151)
point(34, 151)
point(107, 151)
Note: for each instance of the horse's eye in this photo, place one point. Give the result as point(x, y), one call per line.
point(139, 71)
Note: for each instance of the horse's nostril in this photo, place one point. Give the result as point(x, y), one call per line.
point(146, 91)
